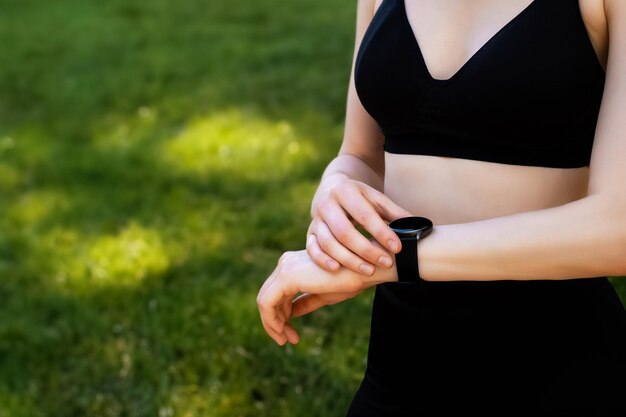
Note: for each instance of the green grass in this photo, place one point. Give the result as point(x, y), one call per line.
point(156, 158)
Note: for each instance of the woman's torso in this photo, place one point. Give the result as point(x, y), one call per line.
point(430, 340)
point(453, 190)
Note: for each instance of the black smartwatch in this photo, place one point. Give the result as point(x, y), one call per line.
point(410, 230)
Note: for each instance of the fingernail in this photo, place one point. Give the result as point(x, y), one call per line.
point(366, 269)
point(331, 264)
point(393, 246)
point(384, 261)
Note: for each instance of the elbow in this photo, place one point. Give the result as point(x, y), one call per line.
point(615, 244)
point(619, 260)
point(617, 268)
point(609, 248)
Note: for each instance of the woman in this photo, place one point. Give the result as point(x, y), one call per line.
point(502, 123)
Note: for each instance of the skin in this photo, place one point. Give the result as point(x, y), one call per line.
point(484, 232)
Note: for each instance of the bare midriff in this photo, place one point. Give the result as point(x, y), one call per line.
point(453, 190)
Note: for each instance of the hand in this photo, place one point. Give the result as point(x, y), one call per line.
point(296, 272)
point(332, 238)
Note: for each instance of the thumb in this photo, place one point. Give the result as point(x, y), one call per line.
point(309, 302)
point(305, 304)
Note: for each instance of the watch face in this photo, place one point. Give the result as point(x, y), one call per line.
point(411, 227)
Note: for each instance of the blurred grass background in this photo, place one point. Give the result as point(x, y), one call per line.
point(156, 158)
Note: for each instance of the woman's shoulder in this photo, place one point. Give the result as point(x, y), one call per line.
point(366, 10)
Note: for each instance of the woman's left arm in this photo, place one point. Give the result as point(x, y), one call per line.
point(584, 238)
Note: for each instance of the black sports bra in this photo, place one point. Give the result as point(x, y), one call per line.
point(530, 96)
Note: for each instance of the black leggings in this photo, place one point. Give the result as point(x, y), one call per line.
point(495, 348)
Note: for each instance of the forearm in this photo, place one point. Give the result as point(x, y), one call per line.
point(346, 166)
point(584, 238)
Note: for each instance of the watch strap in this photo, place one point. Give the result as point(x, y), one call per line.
point(406, 261)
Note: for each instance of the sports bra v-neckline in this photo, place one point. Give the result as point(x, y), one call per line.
point(480, 51)
point(530, 95)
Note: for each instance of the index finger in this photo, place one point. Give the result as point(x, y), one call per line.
point(366, 216)
point(388, 211)
point(344, 237)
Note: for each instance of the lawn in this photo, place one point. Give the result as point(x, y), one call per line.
point(156, 158)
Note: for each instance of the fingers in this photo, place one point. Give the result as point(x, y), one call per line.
point(289, 334)
point(292, 336)
point(283, 313)
point(318, 255)
point(336, 232)
point(368, 207)
point(389, 211)
point(274, 303)
point(324, 242)
point(269, 303)
point(333, 239)
point(279, 338)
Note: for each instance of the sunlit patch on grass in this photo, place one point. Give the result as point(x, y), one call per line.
point(233, 140)
point(193, 400)
point(128, 257)
point(34, 206)
point(123, 259)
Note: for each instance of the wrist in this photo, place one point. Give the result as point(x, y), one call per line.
point(411, 230)
point(431, 254)
point(387, 274)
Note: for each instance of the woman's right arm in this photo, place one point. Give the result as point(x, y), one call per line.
point(351, 189)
